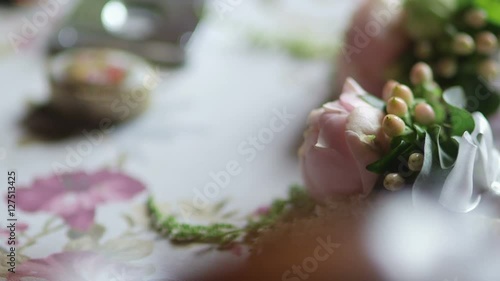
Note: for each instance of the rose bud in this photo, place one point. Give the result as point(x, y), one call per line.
point(421, 73)
point(397, 106)
point(476, 18)
point(447, 67)
point(486, 42)
point(394, 182)
point(415, 162)
point(423, 49)
point(463, 44)
point(488, 69)
point(388, 89)
point(404, 92)
point(393, 125)
point(342, 139)
point(368, 64)
point(424, 114)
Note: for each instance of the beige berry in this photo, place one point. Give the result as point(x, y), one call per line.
point(388, 89)
point(463, 44)
point(476, 18)
point(488, 69)
point(394, 182)
point(424, 114)
point(404, 92)
point(447, 67)
point(486, 42)
point(397, 106)
point(421, 73)
point(415, 162)
point(393, 126)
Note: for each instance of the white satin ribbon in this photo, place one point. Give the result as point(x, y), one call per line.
point(476, 170)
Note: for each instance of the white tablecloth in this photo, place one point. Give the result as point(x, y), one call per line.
point(203, 117)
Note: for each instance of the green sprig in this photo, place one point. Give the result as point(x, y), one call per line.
point(223, 234)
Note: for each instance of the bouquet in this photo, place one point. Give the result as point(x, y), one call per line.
point(457, 38)
point(418, 137)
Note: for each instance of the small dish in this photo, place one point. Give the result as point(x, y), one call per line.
point(100, 83)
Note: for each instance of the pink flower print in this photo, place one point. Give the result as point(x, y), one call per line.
point(75, 196)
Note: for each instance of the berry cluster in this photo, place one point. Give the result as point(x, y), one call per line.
point(461, 52)
point(404, 111)
point(467, 38)
point(401, 103)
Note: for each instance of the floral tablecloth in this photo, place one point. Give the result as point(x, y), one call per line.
point(225, 126)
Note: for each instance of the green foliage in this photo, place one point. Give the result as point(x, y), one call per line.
point(452, 120)
point(492, 7)
point(438, 22)
point(482, 96)
point(461, 120)
point(428, 18)
point(465, 3)
point(383, 164)
point(223, 234)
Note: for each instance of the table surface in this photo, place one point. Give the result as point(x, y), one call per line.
point(201, 117)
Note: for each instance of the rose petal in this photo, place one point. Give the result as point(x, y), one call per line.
point(365, 121)
point(361, 123)
point(364, 155)
point(331, 129)
point(350, 97)
point(351, 87)
point(327, 173)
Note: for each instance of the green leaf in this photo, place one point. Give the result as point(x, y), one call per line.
point(483, 97)
point(461, 120)
point(420, 131)
point(382, 165)
point(492, 7)
point(465, 3)
point(373, 101)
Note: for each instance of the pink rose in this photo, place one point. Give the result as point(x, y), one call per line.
point(75, 196)
point(342, 139)
point(373, 44)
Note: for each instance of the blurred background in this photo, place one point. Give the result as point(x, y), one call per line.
point(221, 71)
